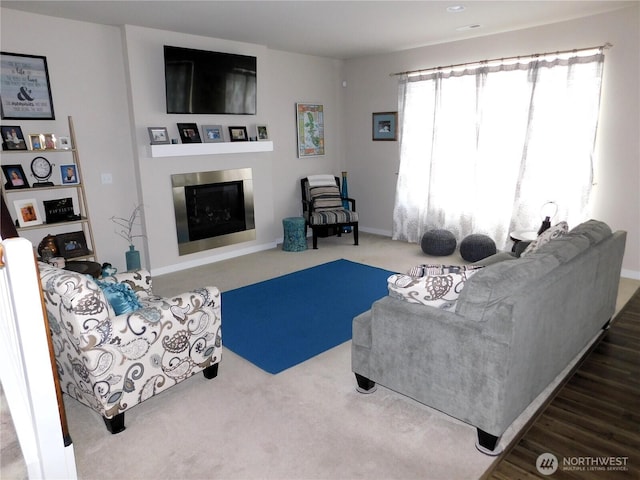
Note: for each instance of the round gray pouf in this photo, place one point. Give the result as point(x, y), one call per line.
point(438, 242)
point(477, 247)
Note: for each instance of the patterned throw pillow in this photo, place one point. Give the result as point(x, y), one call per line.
point(326, 197)
point(552, 233)
point(437, 286)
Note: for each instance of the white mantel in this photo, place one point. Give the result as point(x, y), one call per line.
point(188, 149)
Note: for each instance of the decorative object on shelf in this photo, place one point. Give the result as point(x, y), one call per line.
point(189, 133)
point(42, 170)
point(36, 141)
point(58, 262)
point(212, 133)
point(69, 174)
point(26, 92)
point(108, 270)
point(27, 212)
point(385, 126)
point(72, 245)
point(262, 133)
point(12, 138)
point(238, 134)
point(59, 210)
point(50, 141)
point(310, 125)
point(158, 135)
point(132, 256)
point(345, 202)
point(64, 143)
point(15, 177)
point(48, 242)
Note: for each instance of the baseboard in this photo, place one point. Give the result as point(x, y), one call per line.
point(211, 259)
point(375, 231)
point(633, 274)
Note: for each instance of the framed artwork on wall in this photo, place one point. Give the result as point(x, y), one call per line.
point(385, 126)
point(310, 129)
point(24, 86)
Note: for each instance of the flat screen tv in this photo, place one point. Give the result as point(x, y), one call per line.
point(199, 81)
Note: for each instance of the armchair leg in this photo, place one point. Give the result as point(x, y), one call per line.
point(355, 234)
point(211, 371)
point(115, 424)
point(315, 239)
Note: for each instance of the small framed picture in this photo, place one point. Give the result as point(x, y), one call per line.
point(64, 143)
point(189, 133)
point(385, 126)
point(71, 245)
point(69, 174)
point(12, 138)
point(262, 132)
point(36, 141)
point(50, 141)
point(212, 133)
point(27, 212)
point(15, 177)
point(158, 135)
point(238, 134)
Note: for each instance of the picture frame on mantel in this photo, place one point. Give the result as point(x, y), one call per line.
point(189, 133)
point(25, 88)
point(158, 135)
point(385, 126)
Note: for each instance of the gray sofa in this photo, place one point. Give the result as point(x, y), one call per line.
point(516, 325)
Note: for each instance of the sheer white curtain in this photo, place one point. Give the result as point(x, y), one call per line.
point(482, 149)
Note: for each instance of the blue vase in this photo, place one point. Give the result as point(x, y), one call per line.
point(345, 195)
point(133, 259)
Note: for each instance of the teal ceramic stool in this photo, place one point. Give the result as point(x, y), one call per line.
point(295, 238)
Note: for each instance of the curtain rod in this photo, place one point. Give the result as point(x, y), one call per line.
point(409, 72)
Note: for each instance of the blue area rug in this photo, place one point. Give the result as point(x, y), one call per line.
point(281, 322)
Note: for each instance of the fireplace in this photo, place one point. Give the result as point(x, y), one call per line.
point(213, 209)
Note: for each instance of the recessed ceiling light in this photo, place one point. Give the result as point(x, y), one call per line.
point(469, 27)
point(456, 8)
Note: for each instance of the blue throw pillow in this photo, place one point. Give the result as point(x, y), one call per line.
point(120, 296)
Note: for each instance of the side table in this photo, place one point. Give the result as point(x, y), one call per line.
point(522, 236)
point(89, 268)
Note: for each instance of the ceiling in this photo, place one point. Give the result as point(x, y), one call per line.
point(336, 29)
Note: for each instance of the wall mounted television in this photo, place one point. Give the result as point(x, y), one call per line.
point(204, 82)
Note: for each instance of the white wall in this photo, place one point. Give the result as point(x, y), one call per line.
point(87, 82)
point(616, 198)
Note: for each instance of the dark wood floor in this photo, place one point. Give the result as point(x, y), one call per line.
point(594, 417)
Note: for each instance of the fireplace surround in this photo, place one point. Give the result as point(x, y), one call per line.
point(213, 209)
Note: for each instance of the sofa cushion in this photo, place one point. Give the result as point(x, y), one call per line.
point(594, 230)
point(552, 233)
point(434, 285)
point(566, 247)
point(120, 297)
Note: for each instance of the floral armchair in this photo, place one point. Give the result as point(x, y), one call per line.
point(113, 362)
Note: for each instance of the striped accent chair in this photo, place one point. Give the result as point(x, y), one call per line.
point(324, 209)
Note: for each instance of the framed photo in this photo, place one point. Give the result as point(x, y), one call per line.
point(310, 124)
point(262, 132)
point(24, 86)
point(27, 212)
point(64, 143)
point(158, 135)
point(212, 133)
point(385, 126)
point(189, 133)
point(12, 138)
point(238, 134)
point(15, 177)
point(59, 210)
point(71, 245)
point(36, 141)
point(69, 174)
point(50, 141)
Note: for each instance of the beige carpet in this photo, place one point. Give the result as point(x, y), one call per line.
point(307, 422)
